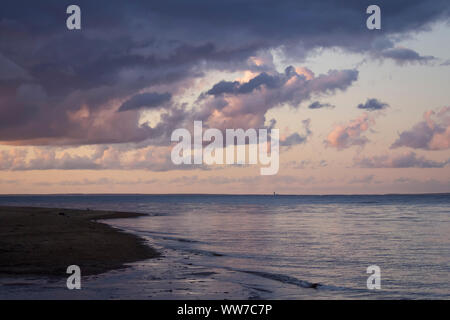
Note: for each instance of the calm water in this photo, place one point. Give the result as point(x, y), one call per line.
point(266, 247)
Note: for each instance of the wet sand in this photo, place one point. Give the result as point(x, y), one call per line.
point(45, 241)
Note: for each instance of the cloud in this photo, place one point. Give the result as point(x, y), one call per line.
point(404, 55)
point(307, 164)
point(350, 134)
point(105, 181)
point(318, 105)
point(385, 48)
point(368, 179)
point(405, 160)
point(9, 181)
point(243, 104)
point(433, 133)
point(128, 49)
point(146, 100)
point(99, 181)
point(11, 71)
point(246, 180)
point(446, 63)
point(372, 105)
point(293, 139)
point(115, 157)
point(86, 182)
point(43, 159)
point(296, 138)
point(263, 79)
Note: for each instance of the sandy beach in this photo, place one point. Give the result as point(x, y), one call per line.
point(45, 241)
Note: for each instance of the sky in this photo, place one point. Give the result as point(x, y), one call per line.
point(92, 110)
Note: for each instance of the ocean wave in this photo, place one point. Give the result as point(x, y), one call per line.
point(284, 279)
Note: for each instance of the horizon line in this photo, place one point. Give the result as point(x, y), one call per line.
point(221, 194)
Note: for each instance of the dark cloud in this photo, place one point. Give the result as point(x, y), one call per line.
point(372, 105)
point(405, 160)
point(405, 55)
point(224, 87)
point(318, 105)
point(270, 81)
point(433, 133)
point(146, 100)
point(10, 71)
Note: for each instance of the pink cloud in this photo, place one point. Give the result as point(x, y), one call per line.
point(350, 134)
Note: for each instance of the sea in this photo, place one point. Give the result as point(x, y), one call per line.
point(265, 247)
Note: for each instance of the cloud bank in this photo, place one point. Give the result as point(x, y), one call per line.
point(404, 160)
point(65, 88)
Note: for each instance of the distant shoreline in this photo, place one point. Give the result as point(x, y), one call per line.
point(45, 241)
point(222, 194)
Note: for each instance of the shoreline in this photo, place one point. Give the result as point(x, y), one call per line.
point(45, 241)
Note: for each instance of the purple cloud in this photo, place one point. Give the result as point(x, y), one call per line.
point(404, 55)
point(149, 100)
point(318, 105)
point(433, 133)
point(373, 105)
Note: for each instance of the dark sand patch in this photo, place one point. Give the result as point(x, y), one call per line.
point(45, 241)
